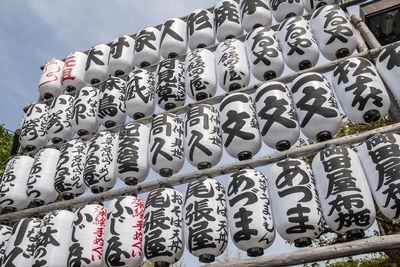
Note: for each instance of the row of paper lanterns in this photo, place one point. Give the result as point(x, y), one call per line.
point(296, 42)
point(253, 207)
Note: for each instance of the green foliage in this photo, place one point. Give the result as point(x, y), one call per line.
point(6, 141)
point(378, 260)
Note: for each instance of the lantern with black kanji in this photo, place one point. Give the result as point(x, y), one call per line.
point(388, 66)
point(147, 47)
point(5, 234)
point(264, 54)
point(52, 246)
point(97, 63)
point(276, 116)
point(380, 158)
point(40, 185)
point(50, 79)
point(132, 164)
point(254, 14)
point(311, 5)
point(112, 102)
point(240, 133)
point(121, 55)
point(343, 190)
point(316, 106)
point(100, 161)
point(283, 9)
point(232, 67)
point(203, 144)
point(123, 232)
point(333, 31)
point(139, 95)
point(173, 41)
point(227, 20)
point(295, 206)
point(87, 239)
point(13, 184)
point(299, 48)
point(360, 90)
point(73, 76)
point(59, 119)
point(205, 221)
point(33, 127)
point(166, 154)
point(200, 29)
point(200, 74)
point(68, 179)
point(84, 118)
point(162, 227)
point(249, 211)
point(170, 84)
point(22, 243)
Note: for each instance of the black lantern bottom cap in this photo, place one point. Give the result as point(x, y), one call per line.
point(47, 96)
point(144, 64)
point(56, 140)
point(83, 132)
point(97, 189)
point(201, 96)
point(302, 242)
point(37, 202)
point(169, 106)
point(201, 46)
point(109, 124)
point(371, 116)
point(70, 89)
point(269, 75)
point(161, 264)
point(229, 37)
point(94, 81)
point(245, 155)
point(206, 258)
point(341, 53)
point(355, 234)
point(138, 115)
point(166, 172)
point(292, 14)
point(131, 181)
point(305, 64)
point(234, 87)
point(320, 4)
point(282, 145)
point(203, 165)
point(172, 55)
point(67, 196)
point(29, 148)
point(119, 73)
point(255, 252)
point(324, 136)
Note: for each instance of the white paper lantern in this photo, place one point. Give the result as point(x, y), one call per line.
point(166, 154)
point(200, 74)
point(205, 227)
point(147, 47)
point(40, 185)
point(227, 20)
point(73, 75)
point(123, 232)
point(276, 116)
point(22, 243)
point(121, 55)
point(200, 29)
point(232, 67)
point(100, 161)
point(173, 41)
point(249, 212)
point(254, 14)
point(264, 54)
point(86, 105)
point(59, 119)
point(132, 164)
point(299, 47)
point(68, 179)
point(203, 144)
point(333, 31)
point(316, 106)
point(50, 79)
point(52, 246)
point(388, 66)
point(283, 9)
point(87, 239)
point(13, 184)
point(5, 234)
point(343, 190)
point(295, 206)
point(379, 157)
point(97, 63)
point(112, 102)
point(311, 5)
point(240, 133)
point(170, 84)
point(140, 94)
point(33, 127)
point(162, 228)
point(360, 90)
